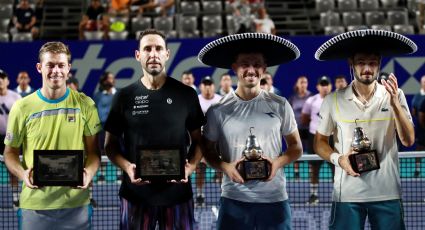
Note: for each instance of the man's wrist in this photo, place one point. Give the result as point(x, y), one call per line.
point(335, 158)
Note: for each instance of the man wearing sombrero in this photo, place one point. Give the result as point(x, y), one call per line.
point(254, 204)
point(381, 111)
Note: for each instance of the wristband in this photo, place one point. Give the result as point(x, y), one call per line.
point(334, 159)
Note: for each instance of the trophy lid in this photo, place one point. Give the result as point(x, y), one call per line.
point(252, 148)
point(360, 140)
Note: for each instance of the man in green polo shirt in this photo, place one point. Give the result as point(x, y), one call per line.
point(53, 118)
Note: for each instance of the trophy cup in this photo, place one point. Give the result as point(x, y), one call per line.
point(253, 167)
point(365, 159)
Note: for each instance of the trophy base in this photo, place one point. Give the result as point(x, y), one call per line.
point(364, 161)
point(255, 169)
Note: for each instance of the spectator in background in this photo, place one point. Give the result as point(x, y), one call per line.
point(421, 20)
point(103, 100)
point(207, 98)
point(264, 86)
point(188, 79)
point(24, 19)
point(297, 100)
point(7, 99)
point(225, 84)
point(72, 83)
point(263, 23)
point(39, 10)
point(161, 7)
point(269, 78)
point(119, 7)
point(310, 117)
point(23, 81)
point(340, 82)
point(94, 19)
point(417, 101)
point(242, 16)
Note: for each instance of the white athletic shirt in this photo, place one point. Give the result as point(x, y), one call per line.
point(338, 113)
point(228, 123)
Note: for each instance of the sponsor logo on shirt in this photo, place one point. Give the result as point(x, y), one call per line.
point(271, 114)
point(384, 110)
point(9, 136)
point(169, 101)
point(71, 118)
point(141, 105)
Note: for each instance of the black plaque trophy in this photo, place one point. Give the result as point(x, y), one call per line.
point(365, 159)
point(253, 167)
point(160, 163)
point(58, 167)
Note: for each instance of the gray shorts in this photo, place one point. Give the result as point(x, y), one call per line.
point(67, 218)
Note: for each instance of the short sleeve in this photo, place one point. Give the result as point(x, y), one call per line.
point(92, 122)
point(15, 127)
point(115, 116)
point(196, 118)
point(403, 103)
point(289, 125)
point(326, 121)
point(307, 106)
point(422, 107)
point(210, 129)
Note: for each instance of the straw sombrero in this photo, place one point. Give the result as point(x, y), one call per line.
point(222, 52)
point(344, 45)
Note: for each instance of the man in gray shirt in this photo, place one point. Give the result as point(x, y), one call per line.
point(254, 204)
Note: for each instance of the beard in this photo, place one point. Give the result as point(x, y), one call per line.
point(365, 81)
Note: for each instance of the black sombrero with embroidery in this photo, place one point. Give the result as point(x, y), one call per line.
point(344, 45)
point(223, 51)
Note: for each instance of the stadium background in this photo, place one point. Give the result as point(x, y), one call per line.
point(91, 58)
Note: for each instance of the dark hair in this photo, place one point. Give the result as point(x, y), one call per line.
point(3, 74)
point(152, 32)
point(56, 48)
point(295, 86)
point(263, 81)
point(187, 72)
point(340, 77)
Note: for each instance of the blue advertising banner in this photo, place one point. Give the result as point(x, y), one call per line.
point(91, 59)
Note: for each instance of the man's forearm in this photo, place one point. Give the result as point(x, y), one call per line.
point(14, 165)
point(404, 127)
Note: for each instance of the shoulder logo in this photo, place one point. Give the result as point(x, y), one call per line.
point(271, 114)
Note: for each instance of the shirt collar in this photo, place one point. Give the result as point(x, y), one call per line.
point(113, 91)
point(379, 93)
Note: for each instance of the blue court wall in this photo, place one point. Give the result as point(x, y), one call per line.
point(91, 59)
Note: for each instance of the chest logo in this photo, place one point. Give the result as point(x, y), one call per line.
point(71, 118)
point(271, 114)
point(169, 101)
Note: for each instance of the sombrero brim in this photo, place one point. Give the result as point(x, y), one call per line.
point(222, 52)
point(386, 43)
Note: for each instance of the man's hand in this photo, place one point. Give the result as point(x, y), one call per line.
point(231, 170)
point(391, 86)
point(344, 163)
point(28, 179)
point(86, 180)
point(131, 172)
point(273, 167)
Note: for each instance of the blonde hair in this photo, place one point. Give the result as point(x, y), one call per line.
point(56, 48)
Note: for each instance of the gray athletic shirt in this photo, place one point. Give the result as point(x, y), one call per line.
point(228, 123)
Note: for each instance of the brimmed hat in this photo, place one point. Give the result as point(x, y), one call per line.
point(345, 45)
point(222, 52)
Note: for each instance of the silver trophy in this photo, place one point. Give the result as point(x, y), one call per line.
point(253, 167)
point(365, 159)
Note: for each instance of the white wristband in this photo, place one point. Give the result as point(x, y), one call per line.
point(334, 159)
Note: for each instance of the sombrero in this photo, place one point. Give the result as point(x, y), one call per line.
point(344, 45)
point(223, 51)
